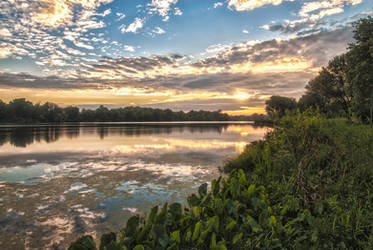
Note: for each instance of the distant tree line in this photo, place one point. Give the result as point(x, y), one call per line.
point(344, 88)
point(23, 111)
point(22, 136)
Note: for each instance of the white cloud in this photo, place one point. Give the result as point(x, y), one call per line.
point(310, 15)
point(217, 4)
point(120, 16)
point(83, 45)
point(163, 7)
point(177, 12)
point(106, 12)
point(242, 5)
point(245, 31)
point(4, 32)
point(159, 31)
point(129, 48)
point(324, 8)
point(137, 24)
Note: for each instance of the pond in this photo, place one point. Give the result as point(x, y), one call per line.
point(58, 182)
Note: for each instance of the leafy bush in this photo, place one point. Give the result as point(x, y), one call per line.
point(308, 185)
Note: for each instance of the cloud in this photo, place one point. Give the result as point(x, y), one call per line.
point(137, 24)
point(129, 48)
point(106, 12)
point(158, 30)
point(177, 11)
point(217, 4)
point(4, 33)
point(54, 13)
point(163, 8)
point(245, 65)
point(25, 80)
point(310, 16)
point(120, 16)
point(45, 30)
point(243, 5)
point(245, 31)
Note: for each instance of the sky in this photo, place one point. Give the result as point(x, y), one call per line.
point(230, 55)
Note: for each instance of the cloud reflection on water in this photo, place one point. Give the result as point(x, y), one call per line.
point(57, 182)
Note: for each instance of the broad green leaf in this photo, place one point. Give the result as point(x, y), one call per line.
point(196, 211)
point(132, 225)
point(242, 178)
point(162, 216)
point(230, 225)
point(213, 224)
point(173, 246)
point(272, 221)
point(153, 214)
point(106, 239)
point(83, 243)
point(220, 246)
point(213, 240)
point(188, 235)
point(202, 190)
point(139, 247)
point(253, 224)
point(175, 210)
point(193, 200)
point(196, 231)
point(176, 236)
point(251, 190)
point(160, 234)
point(236, 238)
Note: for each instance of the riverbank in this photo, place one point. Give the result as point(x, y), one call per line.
point(307, 185)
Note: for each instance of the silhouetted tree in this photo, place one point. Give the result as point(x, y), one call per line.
point(277, 105)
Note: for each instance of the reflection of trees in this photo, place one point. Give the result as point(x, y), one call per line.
point(150, 129)
point(3, 138)
point(24, 136)
point(72, 132)
point(20, 137)
point(102, 132)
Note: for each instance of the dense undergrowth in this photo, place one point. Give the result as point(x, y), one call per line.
point(307, 185)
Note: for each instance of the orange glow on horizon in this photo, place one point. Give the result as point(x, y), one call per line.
point(246, 111)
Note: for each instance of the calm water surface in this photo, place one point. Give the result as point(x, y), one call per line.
point(59, 182)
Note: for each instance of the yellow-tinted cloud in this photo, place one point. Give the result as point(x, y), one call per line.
point(246, 111)
point(5, 52)
point(242, 5)
point(118, 96)
point(57, 12)
point(293, 64)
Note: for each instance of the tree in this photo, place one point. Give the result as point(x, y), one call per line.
point(20, 110)
point(360, 74)
point(102, 114)
point(50, 112)
point(329, 90)
point(277, 105)
point(72, 114)
point(2, 111)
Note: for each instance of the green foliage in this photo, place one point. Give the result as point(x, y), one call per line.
point(344, 88)
point(278, 105)
point(329, 91)
point(83, 243)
